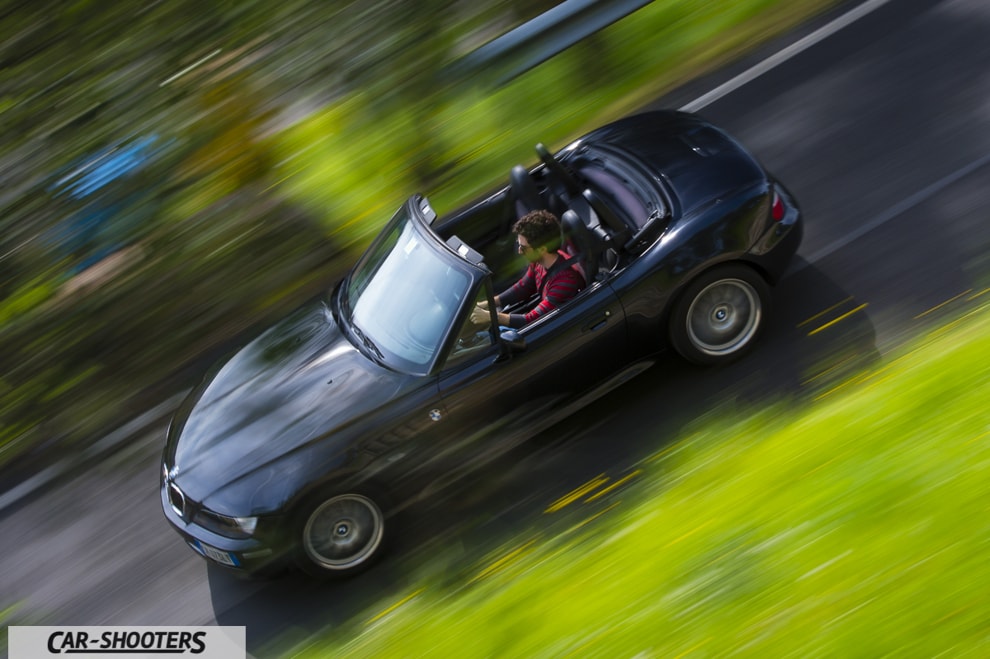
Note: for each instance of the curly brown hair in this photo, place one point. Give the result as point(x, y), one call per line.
point(540, 228)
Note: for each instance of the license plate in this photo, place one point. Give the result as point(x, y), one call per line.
point(222, 557)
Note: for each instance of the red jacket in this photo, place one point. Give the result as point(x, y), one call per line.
point(557, 285)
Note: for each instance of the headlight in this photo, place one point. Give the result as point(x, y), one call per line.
point(231, 527)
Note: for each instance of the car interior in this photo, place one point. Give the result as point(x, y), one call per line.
point(607, 215)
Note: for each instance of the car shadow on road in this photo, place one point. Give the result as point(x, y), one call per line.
point(817, 337)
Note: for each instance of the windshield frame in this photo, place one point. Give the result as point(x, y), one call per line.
point(412, 220)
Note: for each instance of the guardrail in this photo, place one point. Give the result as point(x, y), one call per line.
point(532, 43)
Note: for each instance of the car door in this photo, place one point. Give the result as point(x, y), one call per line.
point(500, 396)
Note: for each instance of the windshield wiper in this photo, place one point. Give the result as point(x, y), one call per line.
point(368, 343)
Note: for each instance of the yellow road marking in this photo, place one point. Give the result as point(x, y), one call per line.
point(950, 615)
point(688, 534)
point(852, 381)
point(503, 562)
point(839, 319)
point(574, 495)
point(938, 331)
point(617, 484)
point(594, 639)
point(830, 369)
point(690, 650)
point(394, 607)
point(977, 438)
point(822, 313)
point(976, 295)
point(670, 449)
point(875, 375)
point(822, 465)
point(939, 306)
point(585, 522)
point(877, 383)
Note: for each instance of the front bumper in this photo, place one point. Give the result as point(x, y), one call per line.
point(251, 555)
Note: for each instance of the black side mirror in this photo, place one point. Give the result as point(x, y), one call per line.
point(512, 341)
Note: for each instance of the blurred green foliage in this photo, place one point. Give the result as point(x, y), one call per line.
point(285, 135)
point(852, 526)
point(9, 616)
point(467, 136)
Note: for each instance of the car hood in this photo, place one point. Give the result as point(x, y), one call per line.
point(299, 382)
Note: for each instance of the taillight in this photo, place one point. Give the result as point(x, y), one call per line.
point(777, 207)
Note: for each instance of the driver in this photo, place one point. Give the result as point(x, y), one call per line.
point(551, 273)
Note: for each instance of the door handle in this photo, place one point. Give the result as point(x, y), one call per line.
point(598, 324)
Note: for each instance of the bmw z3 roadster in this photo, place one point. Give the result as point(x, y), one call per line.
point(302, 445)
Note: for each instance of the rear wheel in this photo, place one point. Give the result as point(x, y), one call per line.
point(341, 534)
point(720, 315)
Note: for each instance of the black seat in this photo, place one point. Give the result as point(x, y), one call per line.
point(587, 243)
point(618, 229)
point(527, 198)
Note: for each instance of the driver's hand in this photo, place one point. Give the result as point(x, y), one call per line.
point(480, 315)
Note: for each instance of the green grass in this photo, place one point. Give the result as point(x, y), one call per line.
point(855, 526)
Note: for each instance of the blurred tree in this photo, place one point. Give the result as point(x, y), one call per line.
point(76, 76)
point(80, 80)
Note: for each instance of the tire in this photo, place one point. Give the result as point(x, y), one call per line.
point(340, 534)
point(720, 315)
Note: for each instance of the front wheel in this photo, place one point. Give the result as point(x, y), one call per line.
point(341, 534)
point(719, 316)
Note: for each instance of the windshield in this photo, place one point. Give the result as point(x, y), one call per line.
point(402, 297)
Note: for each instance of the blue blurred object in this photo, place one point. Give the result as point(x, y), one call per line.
point(103, 198)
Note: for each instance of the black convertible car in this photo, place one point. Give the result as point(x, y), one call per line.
point(302, 445)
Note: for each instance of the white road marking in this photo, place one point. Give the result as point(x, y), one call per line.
point(897, 209)
point(782, 56)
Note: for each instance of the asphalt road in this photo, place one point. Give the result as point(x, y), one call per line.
point(881, 130)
